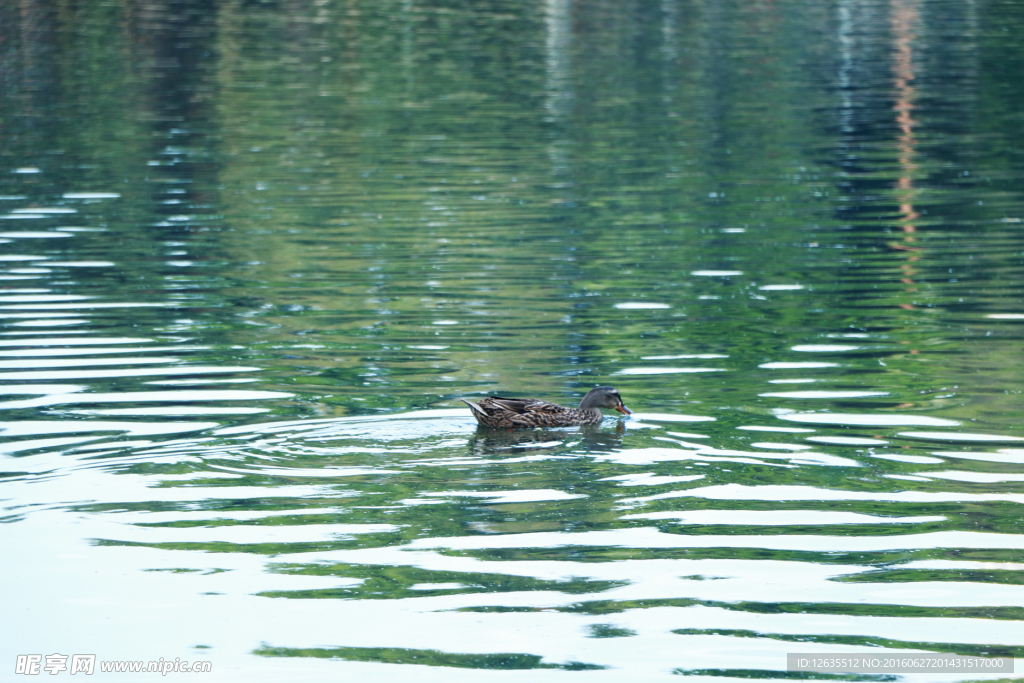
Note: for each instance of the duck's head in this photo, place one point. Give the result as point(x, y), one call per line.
point(604, 397)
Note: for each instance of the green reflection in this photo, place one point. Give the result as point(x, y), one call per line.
point(383, 582)
point(397, 655)
point(731, 211)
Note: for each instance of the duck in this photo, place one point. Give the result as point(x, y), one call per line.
point(512, 413)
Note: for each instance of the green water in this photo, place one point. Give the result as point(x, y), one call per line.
point(252, 254)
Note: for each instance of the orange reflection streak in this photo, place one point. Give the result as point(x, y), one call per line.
point(904, 16)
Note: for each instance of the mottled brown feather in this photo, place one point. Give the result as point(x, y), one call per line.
point(512, 413)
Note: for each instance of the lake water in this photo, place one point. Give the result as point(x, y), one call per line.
point(254, 253)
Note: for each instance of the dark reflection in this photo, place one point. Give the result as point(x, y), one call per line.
point(254, 251)
point(433, 658)
point(486, 441)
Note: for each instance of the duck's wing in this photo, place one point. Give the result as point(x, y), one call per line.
point(477, 410)
point(501, 411)
point(523, 406)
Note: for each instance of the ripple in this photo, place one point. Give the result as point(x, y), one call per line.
point(38, 389)
point(705, 453)
point(75, 341)
point(25, 234)
point(1004, 455)
point(783, 365)
point(501, 497)
point(84, 304)
point(98, 351)
point(135, 372)
point(976, 477)
point(716, 273)
point(870, 420)
point(34, 427)
point(671, 417)
point(914, 459)
point(664, 371)
point(421, 426)
point(847, 440)
point(132, 372)
point(82, 362)
point(780, 517)
point(437, 586)
point(247, 534)
point(824, 348)
point(651, 456)
point(318, 473)
point(771, 492)
point(650, 479)
point(172, 411)
point(50, 322)
point(203, 381)
point(958, 436)
point(142, 396)
point(647, 537)
point(34, 444)
point(25, 298)
point(905, 477)
point(685, 356)
point(824, 394)
point(637, 305)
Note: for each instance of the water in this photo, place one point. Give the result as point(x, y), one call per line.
point(253, 254)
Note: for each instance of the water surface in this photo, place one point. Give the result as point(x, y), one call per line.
point(253, 254)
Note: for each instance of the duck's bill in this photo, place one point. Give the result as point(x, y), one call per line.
point(623, 409)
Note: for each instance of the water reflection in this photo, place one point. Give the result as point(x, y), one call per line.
point(502, 442)
point(252, 258)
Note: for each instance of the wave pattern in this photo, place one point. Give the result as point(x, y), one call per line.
point(251, 258)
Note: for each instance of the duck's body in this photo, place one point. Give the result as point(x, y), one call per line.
point(511, 413)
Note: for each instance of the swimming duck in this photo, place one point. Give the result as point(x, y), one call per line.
point(495, 411)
